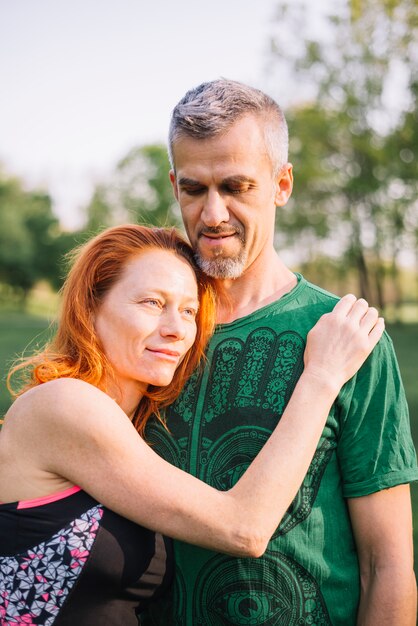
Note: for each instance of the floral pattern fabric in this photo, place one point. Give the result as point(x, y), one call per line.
point(35, 584)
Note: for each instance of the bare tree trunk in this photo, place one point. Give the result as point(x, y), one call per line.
point(357, 252)
point(380, 285)
point(396, 284)
point(416, 266)
point(363, 276)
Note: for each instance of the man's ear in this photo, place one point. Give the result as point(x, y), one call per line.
point(174, 184)
point(284, 185)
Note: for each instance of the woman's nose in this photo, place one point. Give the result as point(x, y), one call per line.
point(173, 325)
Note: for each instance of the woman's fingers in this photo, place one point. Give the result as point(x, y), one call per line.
point(369, 319)
point(363, 320)
point(345, 304)
point(341, 340)
point(376, 332)
point(359, 312)
point(359, 309)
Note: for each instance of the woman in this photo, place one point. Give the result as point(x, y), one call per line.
point(80, 488)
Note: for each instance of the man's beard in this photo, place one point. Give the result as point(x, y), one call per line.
point(221, 266)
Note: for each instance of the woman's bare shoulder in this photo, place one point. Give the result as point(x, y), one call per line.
point(57, 397)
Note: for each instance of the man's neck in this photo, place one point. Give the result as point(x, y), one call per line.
point(258, 286)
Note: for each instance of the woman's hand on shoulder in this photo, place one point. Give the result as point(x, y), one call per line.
point(342, 340)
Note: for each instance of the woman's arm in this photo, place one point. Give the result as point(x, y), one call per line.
point(79, 433)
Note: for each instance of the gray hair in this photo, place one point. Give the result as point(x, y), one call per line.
point(213, 107)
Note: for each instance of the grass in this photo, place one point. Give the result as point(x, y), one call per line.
point(20, 331)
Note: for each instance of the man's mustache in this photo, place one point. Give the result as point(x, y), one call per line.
point(222, 231)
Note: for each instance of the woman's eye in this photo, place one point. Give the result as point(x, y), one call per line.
point(152, 302)
point(190, 312)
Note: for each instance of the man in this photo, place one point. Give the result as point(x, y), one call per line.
point(343, 552)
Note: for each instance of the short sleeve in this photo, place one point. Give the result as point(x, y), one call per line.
point(375, 447)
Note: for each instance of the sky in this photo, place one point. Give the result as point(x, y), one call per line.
point(84, 81)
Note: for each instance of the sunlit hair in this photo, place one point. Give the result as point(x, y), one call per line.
point(213, 107)
point(75, 350)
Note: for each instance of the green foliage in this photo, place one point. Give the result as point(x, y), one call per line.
point(138, 191)
point(33, 245)
point(354, 151)
point(99, 211)
point(31, 240)
point(145, 186)
point(16, 248)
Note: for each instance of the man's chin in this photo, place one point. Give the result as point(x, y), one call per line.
point(221, 267)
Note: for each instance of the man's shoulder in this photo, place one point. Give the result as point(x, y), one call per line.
point(308, 300)
point(297, 311)
point(316, 295)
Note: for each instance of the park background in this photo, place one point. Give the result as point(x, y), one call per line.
point(88, 88)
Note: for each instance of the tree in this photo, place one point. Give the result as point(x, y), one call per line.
point(402, 155)
point(347, 69)
point(31, 240)
point(138, 191)
point(98, 211)
point(16, 246)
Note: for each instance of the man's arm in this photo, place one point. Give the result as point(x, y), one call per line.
point(382, 525)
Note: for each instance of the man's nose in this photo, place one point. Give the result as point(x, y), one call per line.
point(214, 210)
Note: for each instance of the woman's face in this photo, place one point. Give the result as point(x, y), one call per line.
point(147, 321)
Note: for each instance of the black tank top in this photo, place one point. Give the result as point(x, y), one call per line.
point(66, 560)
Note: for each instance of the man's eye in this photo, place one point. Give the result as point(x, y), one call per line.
point(237, 190)
point(192, 191)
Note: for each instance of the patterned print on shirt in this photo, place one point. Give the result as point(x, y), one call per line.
point(277, 592)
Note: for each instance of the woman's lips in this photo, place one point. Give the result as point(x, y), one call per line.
point(170, 355)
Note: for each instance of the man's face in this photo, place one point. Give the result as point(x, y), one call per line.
point(228, 195)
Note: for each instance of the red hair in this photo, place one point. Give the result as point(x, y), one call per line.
point(75, 351)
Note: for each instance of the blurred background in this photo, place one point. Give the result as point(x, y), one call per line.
point(87, 92)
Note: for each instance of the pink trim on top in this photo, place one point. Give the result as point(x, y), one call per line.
point(59, 495)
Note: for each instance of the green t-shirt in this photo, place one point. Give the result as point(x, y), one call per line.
point(309, 572)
